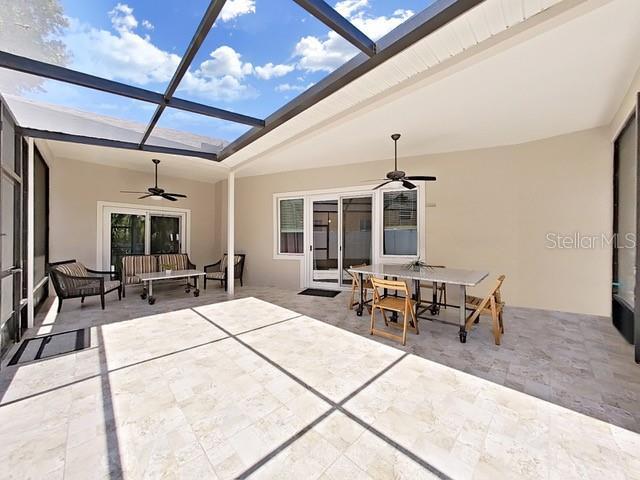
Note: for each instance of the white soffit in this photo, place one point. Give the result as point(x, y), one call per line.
point(505, 72)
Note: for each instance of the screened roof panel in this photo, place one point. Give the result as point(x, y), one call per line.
point(62, 107)
point(256, 60)
point(138, 42)
point(258, 56)
point(180, 129)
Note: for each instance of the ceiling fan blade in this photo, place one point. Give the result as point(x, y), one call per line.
point(127, 191)
point(169, 197)
point(145, 196)
point(408, 185)
point(179, 195)
point(422, 178)
point(382, 184)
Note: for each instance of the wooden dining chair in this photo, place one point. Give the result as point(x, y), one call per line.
point(403, 305)
point(355, 287)
point(440, 288)
point(492, 305)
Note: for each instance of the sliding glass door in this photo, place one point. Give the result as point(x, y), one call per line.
point(324, 243)
point(357, 213)
point(137, 231)
point(340, 237)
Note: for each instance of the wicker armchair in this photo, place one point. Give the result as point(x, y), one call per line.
point(72, 279)
point(218, 271)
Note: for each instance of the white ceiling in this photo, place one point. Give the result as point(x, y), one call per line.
point(565, 72)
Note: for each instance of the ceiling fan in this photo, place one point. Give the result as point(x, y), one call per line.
point(400, 176)
point(157, 192)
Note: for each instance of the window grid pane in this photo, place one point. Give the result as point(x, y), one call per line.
point(400, 223)
point(291, 225)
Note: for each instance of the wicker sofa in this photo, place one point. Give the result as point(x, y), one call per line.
point(72, 279)
point(134, 265)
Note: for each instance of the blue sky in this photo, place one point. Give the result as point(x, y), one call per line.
point(259, 55)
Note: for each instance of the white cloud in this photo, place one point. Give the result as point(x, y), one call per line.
point(224, 61)
point(269, 70)
point(122, 18)
point(236, 8)
point(346, 8)
point(326, 54)
point(148, 25)
point(124, 55)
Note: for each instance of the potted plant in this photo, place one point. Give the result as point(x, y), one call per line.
point(167, 267)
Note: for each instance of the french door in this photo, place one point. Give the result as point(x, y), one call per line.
point(134, 231)
point(339, 229)
point(12, 298)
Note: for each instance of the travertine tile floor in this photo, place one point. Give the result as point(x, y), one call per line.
point(265, 386)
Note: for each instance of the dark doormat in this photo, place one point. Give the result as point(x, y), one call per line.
point(51, 345)
point(318, 292)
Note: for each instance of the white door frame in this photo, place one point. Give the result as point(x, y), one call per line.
point(104, 211)
point(309, 247)
point(308, 254)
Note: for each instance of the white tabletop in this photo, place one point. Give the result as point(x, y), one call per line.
point(164, 275)
point(455, 276)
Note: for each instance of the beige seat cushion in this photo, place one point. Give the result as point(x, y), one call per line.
point(75, 269)
point(215, 275)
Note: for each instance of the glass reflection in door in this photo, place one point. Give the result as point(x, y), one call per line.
point(165, 234)
point(127, 237)
point(356, 234)
point(325, 241)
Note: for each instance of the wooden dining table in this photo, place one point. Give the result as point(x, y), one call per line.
point(424, 274)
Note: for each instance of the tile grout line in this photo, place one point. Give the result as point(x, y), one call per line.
point(334, 406)
point(123, 367)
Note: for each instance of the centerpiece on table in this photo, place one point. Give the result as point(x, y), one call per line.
point(168, 268)
point(416, 265)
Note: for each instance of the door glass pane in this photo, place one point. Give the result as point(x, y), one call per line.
point(292, 225)
point(7, 298)
point(400, 223)
point(40, 211)
point(624, 271)
point(8, 324)
point(127, 237)
point(356, 234)
point(8, 143)
point(165, 234)
point(8, 198)
point(325, 241)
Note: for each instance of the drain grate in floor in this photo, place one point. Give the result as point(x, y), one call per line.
point(52, 345)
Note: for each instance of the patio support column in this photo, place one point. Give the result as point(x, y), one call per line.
point(231, 180)
point(29, 230)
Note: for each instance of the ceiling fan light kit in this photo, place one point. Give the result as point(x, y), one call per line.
point(398, 175)
point(155, 192)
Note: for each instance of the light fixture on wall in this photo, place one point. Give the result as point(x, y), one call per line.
point(155, 192)
point(398, 175)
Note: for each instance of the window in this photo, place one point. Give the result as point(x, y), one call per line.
point(400, 223)
point(291, 218)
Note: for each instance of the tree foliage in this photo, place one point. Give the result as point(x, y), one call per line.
point(31, 28)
